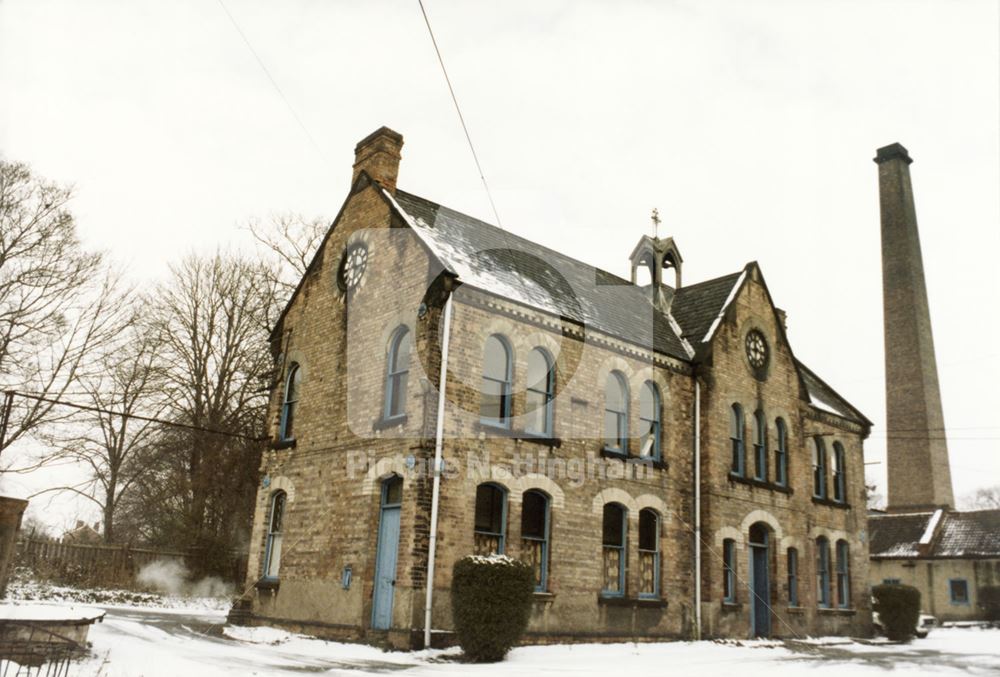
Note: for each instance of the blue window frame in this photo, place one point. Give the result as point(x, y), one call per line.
point(490, 530)
point(293, 381)
point(397, 374)
point(275, 527)
point(839, 476)
point(819, 467)
point(649, 554)
point(613, 557)
point(781, 453)
point(737, 432)
point(650, 421)
point(535, 535)
point(729, 571)
point(843, 575)
point(958, 588)
point(494, 405)
point(540, 394)
point(793, 577)
point(823, 572)
point(616, 413)
point(759, 445)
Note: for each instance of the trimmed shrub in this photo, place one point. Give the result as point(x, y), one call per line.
point(898, 607)
point(490, 602)
point(989, 602)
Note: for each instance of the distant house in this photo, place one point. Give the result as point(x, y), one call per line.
point(84, 533)
point(948, 556)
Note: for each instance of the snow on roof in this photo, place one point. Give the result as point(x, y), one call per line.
point(941, 534)
point(49, 613)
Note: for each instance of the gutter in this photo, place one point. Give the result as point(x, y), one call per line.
point(438, 467)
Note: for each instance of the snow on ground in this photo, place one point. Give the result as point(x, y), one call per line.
point(152, 643)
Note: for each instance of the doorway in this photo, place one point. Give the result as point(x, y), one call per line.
point(386, 552)
point(760, 583)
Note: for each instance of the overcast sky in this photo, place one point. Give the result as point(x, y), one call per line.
point(750, 125)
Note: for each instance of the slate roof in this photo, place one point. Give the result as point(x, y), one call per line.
point(974, 534)
point(697, 306)
point(823, 397)
point(494, 260)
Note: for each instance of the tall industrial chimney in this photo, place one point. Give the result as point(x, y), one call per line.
point(918, 469)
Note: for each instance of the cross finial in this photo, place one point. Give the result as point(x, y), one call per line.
point(655, 217)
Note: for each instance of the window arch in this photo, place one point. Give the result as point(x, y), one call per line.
point(535, 535)
point(823, 572)
point(614, 530)
point(397, 373)
point(781, 453)
point(275, 527)
point(293, 381)
point(490, 529)
point(616, 413)
point(736, 436)
point(793, 577)
point(650, 421)
point(759, 445)
point(494, 407)
point(729, 570)
point(819, 467)
point(540, 393)
point(839, 477)
point(649, 554)
point(843, 575)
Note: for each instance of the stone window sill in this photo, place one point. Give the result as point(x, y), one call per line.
point(634, 602)
point(762, 484)
point(837, 612)
point(843, 505)
point(537, 439)
point(277, 445)
point(498, 430)
point(540, 597)
point(729, 607)
point(608, 452)
point(268, 584)
point(797, 610)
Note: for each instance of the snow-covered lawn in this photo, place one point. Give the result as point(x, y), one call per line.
point(152, 643)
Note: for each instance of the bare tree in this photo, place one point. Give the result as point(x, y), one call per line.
point(57, 302)
point(123, 396)
point(215, 316)
point(288, 243)
point(984, 498)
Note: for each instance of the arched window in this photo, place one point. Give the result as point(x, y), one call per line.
point(843, 575)
point(729, 571)
point(494, 407)
point(490, 520)
point(286, 431)
point(613, 556)
point(616, 413)
point(650, 416)
point(823, 572)
point(275, 523)
point(540, 394)
point(781, 453)
point(819, 467)
point(759, 445)
point(736, 433)
point(649, 554)
point(397, 374)
point(839, 478)
point(535, 535)
point(793, 577)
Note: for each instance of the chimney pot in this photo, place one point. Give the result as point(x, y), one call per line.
point(378, 156)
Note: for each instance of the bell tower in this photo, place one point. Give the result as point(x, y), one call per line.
point(657, 255)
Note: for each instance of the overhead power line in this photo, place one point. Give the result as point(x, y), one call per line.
point(458, 109)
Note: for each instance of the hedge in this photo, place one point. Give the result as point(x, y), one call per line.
point(491, 601)
point(989, 602)
point(898, 607)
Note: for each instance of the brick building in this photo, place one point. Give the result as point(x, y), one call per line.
point(589, 424)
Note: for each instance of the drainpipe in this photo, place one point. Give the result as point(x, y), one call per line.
point(697, 508)
point(436, 493)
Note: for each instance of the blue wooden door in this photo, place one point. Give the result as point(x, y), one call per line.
point(761, 593)
point(386, 554)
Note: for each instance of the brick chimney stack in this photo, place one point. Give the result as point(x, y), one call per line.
point(918, 469)
point(378, 155)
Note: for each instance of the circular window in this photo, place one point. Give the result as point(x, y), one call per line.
point(352, 267)
point(756, 347)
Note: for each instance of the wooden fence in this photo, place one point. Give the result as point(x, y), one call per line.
point(77, 563)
